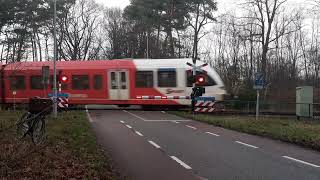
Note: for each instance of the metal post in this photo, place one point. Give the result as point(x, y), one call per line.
point(148, 45)
point(14, 101)
point(55, 109)
point(309, 110)
point(257, 105)
point(194, 73)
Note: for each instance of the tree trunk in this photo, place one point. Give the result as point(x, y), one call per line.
point(39, 46)
point(195, 38)
point(158, 42)
point(179, 44)
point(171, 48)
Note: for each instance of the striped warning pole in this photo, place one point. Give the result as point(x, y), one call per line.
point(205, 105)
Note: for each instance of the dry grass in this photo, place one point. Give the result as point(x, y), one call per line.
point(69, 152)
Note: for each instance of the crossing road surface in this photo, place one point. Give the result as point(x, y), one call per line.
point(156, 145)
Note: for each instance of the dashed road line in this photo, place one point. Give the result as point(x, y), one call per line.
point(300, 161)
point(176, 122)
point(213, 134)
point(129, 127)
point(154, 144)
point(245, 144)
point(137, 132)
point(163, 112)
point(122, 122)
point(191, 127)
point(181, 162)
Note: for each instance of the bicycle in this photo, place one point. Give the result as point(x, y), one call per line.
point(32, 123)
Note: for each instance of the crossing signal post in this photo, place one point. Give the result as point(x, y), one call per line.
point(62, 78)
point(198, 82)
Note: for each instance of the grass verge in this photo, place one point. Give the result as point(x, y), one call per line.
point(70, 151)
point(305, 133)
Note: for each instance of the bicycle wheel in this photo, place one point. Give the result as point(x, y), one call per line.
point(23, 125)
point(38, 133)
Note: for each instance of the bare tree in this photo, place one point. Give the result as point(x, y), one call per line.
point(116, 32)
point(201, 14)
point(77, 33)
point(265, 12)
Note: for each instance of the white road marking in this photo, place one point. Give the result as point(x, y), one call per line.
point(137, 132)
point(213, 134)
point(154, 144)
point(129, 126)
point(300, 161)
point(249, 145)
point(163, 112)
point(135, 115)
point(122, 122)
point(156, 120)
point(88, 115)
point(181, 162)
point(176, 122)
point(191, 127)
point(202, 178)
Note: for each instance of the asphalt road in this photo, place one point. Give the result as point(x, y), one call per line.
point(156, 145)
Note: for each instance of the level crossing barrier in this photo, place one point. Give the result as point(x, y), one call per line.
point(63, 100)
point(163, 97)
point(204, 104)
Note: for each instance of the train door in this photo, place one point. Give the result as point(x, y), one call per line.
point(119, 85)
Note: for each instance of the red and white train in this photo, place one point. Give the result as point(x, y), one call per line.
point(116, 82)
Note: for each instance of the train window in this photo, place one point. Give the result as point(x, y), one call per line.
point(36, 82)
point(97, 82)
point(80, 82)
point(17, 83)
point(144, 79)
point(167, 78)
point(123, 80)
point(208, 80)
point(114, 84)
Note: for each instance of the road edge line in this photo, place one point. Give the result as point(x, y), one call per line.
point(88, 115)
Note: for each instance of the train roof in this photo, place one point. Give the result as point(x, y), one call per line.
point(101, 64)
point(95, 64)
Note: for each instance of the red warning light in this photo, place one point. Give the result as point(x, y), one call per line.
point(200, 80)
point(64, 79)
